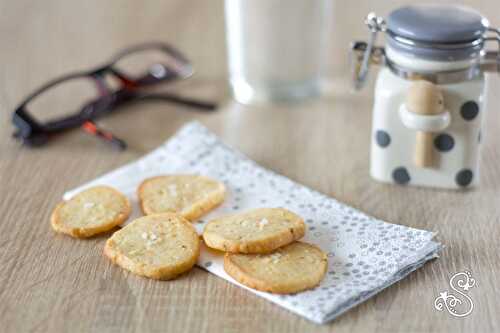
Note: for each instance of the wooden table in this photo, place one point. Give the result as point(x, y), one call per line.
point(52, 283)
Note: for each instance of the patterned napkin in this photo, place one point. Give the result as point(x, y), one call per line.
point(365, 255)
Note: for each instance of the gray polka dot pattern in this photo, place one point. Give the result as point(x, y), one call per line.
point(464, 177)
point(444, 142)
point(382, 138)
point(469, 110)
point(364, 254)
point(401, 176)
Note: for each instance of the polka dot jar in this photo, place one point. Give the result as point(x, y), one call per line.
point(429, 94)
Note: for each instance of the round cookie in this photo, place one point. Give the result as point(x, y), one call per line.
point(93, 211)
point(290, 269)
point(189, 195)
point(159, 246)
point(258, 231)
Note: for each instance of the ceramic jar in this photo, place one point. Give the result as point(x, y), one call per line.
point(429, 94)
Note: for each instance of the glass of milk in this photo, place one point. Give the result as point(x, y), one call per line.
point(276, 48)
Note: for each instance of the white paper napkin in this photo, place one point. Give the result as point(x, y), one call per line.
point(365, 255)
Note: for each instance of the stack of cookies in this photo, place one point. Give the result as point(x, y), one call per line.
point(262, 251)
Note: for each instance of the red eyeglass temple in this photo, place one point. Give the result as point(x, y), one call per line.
point(91, 128)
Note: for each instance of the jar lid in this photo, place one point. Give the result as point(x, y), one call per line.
point(437, 32)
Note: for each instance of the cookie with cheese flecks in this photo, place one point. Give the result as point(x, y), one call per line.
point(296, 267)
point(188, 195)
point(159, 246)
point(90, 212)
point(257, 231)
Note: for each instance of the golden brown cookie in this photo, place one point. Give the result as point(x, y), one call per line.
point(93, 211)
point(257, 231)
point(290, 269)
point(159, 246)
point(189, 195)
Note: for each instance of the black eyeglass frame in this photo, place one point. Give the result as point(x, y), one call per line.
point(35, 133)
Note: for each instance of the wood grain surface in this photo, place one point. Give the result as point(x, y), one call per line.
point(52, 283)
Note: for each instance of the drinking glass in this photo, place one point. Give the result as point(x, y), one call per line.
point(276, 48)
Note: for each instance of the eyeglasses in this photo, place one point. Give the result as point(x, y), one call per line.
point(100, 91)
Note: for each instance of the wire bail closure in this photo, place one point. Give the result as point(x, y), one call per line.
point(363, 54)
point(490, 60)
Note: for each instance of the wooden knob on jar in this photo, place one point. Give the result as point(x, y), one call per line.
point(424, 98)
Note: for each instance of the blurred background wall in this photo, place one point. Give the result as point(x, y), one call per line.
point(200, 36)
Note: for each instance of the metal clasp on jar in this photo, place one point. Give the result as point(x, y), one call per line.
point(363, 54)
point(490, 60)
